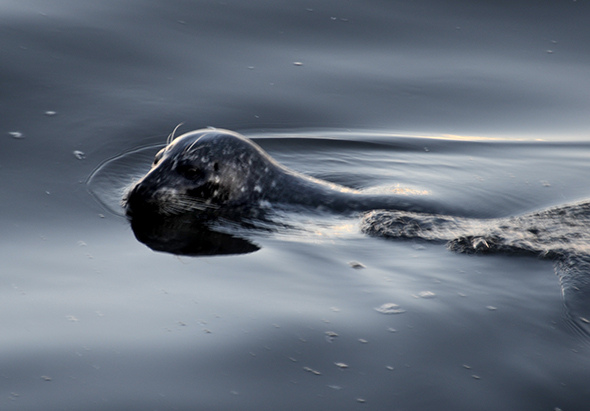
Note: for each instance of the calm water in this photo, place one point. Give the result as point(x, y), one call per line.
point(482, 106)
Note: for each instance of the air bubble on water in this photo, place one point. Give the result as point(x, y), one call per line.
point(16, 134)
point(312, 371)
point(389, 308)
point(80, 155)
point(297, 63)
point(491, 308)
point(426, 294)
point(356, 265)
point(330, 336)
point(50, 113)
point(341, 365)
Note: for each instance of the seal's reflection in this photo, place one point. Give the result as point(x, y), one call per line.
point(183, 235)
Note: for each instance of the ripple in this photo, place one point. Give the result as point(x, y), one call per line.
point(111, 179)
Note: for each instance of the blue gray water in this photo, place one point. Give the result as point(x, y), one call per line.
point(478, 105)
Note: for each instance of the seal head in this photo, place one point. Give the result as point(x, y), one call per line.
point(211, 171)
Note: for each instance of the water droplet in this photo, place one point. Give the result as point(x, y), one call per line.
point(476, 377)
point(341, 365)
point(297, 63)
point(50, 113)
point(390, 308)
point(363, 341)
point(361, 400)
point(491, 308)
point(16, 134)
point(80, 155)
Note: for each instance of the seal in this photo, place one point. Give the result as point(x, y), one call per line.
point(215, 172)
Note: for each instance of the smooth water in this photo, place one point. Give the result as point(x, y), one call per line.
point(480, 106)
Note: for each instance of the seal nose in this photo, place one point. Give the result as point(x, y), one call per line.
point(137, 199)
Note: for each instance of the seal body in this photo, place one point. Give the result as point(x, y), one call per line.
point(214, 172)
point(219, 172)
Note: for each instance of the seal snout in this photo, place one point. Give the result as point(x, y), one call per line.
point(138, 200)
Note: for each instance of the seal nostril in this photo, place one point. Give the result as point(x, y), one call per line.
point(136, 198)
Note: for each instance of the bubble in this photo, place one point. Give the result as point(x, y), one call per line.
point(312, 371)
point(80, 155)
point(389, 308)
point(356, 265)
point(16, 134)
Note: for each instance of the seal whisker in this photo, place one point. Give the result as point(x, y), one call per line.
point(183, 203)
point(171, 136)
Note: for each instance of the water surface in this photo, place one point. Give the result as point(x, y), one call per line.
point(94, 319)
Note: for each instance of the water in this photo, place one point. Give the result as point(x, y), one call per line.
point(94, 319)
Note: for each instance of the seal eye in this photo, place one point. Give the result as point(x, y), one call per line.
point(189, 172)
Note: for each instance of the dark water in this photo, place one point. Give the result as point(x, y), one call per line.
point(93, 319)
